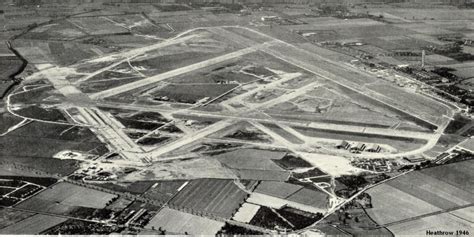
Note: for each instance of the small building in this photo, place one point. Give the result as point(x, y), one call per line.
point(270, 18)
point(414, 159)
point(344, 145)
point(373, 148)
point(359, 148)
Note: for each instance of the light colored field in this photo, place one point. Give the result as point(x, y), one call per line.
point(70, 195)
point(255, 174)
point(391, 204)
point(329, 23)
point(423, 106)
point(333, 165)
point(310, 197)
point(432, 190)
point(442, 222)
point(33, 225)
point(421, 13)
point(277, 189)
point(179, 222)
point(97, 25)
point(468, 144)
point(465, 213)
point(277, 203)
point(458, 174)
point(246, 212)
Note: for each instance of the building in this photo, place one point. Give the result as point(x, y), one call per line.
point(359, 148)
point(344, 145)
point(373, 148)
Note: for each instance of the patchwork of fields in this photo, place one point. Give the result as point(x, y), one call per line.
point(415, 201)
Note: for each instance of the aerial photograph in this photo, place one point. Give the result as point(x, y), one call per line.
point(237, 117)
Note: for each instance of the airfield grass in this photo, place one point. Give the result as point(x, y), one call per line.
point(192, 93)
point(97, 86)
point(45, 114)
point(7, 120)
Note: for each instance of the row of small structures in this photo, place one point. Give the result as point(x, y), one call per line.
point(359, 147)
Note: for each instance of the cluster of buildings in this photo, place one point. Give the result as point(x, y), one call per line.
point(359, 147)
point(376, 165)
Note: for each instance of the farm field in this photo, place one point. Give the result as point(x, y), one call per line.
point(277, 189)
point(422, 192)
point(163, 191)
point(210, 197)
point(33, 225)
point(293, 193)
point(391, 205)
point(246, 212)
point(432, 190)
point(63, 197)
point(9, 217)
point(456, 174)
point(448, 222)
point(174, 221)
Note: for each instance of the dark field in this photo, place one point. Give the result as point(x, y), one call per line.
point(8, 66)
point(5, 190)
point(45, 114)
point(151, 141)
point(7, 120)
point(290, 162)
point(40, 141)
point(265, 217)
point(97, 86)
point(36, 180)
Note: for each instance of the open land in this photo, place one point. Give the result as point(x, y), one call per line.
point(177, 118)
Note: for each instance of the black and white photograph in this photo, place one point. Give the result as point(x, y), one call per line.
point(237, 118)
